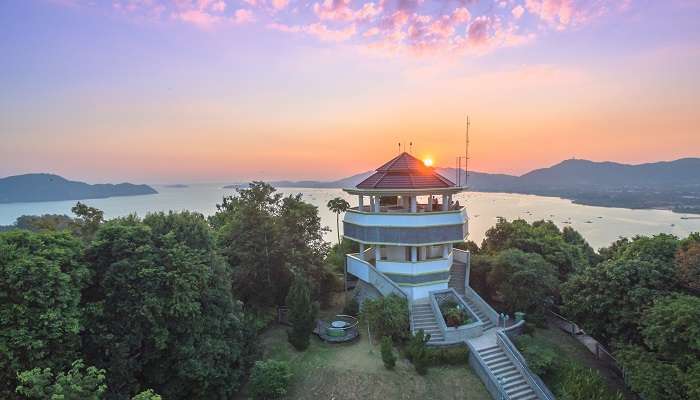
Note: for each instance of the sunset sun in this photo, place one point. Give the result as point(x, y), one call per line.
point(428, 162)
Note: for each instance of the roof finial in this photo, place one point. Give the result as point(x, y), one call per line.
point(410, 148)
point(399, 147)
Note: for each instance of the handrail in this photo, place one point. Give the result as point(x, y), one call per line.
point(485, 306)
point(535, 382)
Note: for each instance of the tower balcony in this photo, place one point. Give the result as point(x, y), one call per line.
point(401, 227)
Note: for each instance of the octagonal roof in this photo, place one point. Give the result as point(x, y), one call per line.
point(405, 172)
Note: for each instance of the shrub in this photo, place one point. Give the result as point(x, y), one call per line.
point(387, 316)
point(302, 313)
point(417, 352)
point(449, 356)
point(387, 354)
point(585, 383)
point(269, 379)
point(540, 356)
point(352, 307)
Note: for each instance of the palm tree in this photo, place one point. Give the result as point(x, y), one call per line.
point(338, 205)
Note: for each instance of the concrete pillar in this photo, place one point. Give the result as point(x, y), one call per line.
point(423, 253)
point(445, 250)
point(377, 204)
point(362, 251)
point(361, 202)
point(413, 204)
point(445, 202)
point(414, 253)
point(371, 203)
point(377, 252)
point(430, 203)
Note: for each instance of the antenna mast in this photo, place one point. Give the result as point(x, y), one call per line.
point(466, 154)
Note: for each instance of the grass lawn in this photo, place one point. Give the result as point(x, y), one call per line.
point(355, 371)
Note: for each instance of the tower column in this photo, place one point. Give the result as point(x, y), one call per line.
point(414, 253)
point(445, 250)
point(371, 203)
point(413, 204)
point(361, 202)
point(430, 203)
point(377, 204)
point(377, 252)
point(445, 203)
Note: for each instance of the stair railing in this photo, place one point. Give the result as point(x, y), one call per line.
point(533, 380)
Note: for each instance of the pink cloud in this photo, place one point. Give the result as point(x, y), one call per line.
point(518, 11)
point(242, 16)
point(415, 26)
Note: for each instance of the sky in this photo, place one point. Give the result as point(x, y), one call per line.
point(166, 91)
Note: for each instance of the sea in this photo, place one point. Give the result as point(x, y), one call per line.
point(599, 225)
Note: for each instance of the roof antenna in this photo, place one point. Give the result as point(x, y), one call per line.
point(410, 149)
point(399, 147)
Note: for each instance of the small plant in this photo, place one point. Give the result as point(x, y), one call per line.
point(270, 379)
point(449, 356)
point(454, 314)
point(387, 316)
point(387, 353)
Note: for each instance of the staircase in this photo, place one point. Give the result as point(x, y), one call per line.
point(424, 318)
point(479, 313)
point(513, 382)
point(458, 274)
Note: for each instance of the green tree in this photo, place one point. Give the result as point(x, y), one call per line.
point(161, 312)
point(608, 300)
point(270, 379)
point(41, 276)
point(88, 220)
point(650, 377)
point(302, 313)
point(264, 236)
point(338, 205)
point(671, 328)
point(79, 383)
point(688, 265)
point(567, 251)
point(524, 280)
point(147, 395)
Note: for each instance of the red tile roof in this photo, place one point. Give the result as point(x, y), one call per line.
point(405, 172)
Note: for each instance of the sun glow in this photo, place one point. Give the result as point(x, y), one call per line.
point(428, 162)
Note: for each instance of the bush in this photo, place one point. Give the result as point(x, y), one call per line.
point(387, 354)
point(352, 307)
point(417, 352)
point(269, 379)
point(585, 383)
point(448, 356)
point(540, 356)
point(387, 316)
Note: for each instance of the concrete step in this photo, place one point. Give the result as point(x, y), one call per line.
point(502, 368)
point(494, 357)
point(514, 384)
point(526, 396)
point(519, 390)
point(499, 363)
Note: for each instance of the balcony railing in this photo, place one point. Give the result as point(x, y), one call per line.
point(420, 208)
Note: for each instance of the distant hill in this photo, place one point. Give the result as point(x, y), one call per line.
point(671, 185)
point(48, 187)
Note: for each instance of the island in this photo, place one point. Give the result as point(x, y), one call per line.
point(50, 187)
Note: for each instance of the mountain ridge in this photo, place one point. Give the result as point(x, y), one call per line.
point(37, 187)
